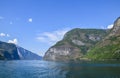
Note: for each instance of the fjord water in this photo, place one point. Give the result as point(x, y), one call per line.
point(47, 69)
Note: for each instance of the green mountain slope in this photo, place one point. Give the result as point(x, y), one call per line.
point(75, 44)
point(109, 47)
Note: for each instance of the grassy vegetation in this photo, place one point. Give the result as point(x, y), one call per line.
point(109, 51)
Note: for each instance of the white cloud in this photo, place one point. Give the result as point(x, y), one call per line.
point(30, 20)
point(52, 37)
point(14, 41)
point(110, 26)
point(41, 39)
point(4, 35)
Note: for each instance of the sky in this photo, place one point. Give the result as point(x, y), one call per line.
point(38, 24)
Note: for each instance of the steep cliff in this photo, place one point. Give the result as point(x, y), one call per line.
point(8, 51)
point(109, 47)
point(75, 44)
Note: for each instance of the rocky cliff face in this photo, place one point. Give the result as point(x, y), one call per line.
point(64, 52)
point(109, 47)
point(10, 51)
point(75, 44)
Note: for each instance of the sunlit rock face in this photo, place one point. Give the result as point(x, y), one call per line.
point(78, 42)
point(62, 53)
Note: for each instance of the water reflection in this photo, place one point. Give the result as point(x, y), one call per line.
point(92, 70)
point(47, 69)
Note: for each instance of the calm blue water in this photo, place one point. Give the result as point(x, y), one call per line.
point(45, 69)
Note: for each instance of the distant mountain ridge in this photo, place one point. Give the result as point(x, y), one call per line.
point(27, 55)
point(9, 51)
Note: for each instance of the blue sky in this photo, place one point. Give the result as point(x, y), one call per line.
point(38, 24)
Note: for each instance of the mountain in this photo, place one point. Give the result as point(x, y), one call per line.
point(109, 47)
point(9, 51)
point(75, 44)
point(27, 55)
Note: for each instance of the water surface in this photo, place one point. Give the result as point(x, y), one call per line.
point(47, 69)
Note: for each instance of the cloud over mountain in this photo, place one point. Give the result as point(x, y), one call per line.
point(14, 41)
point(110, 26)
point(52, 37)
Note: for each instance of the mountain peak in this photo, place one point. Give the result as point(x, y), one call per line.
point(117, 22)
point(116, 28)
